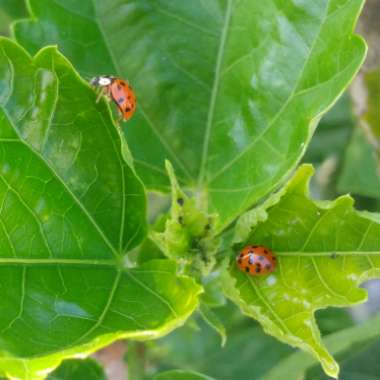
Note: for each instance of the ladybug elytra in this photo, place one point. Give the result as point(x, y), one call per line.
point(256, 260)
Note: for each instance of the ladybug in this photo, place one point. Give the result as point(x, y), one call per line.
point(119, 91)
point(256, 260)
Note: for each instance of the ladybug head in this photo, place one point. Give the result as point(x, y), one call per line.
point(101, 81)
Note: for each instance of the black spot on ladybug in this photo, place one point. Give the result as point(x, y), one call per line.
point(127, 109)
point(180, 201)
point(267, 267)
point(246, 269)
point(254, 246)
point(121, 100)
point(242, 254)
point(239, 261)
point(274, 258)
point(258, 269)
point(266, 251)
point(119, 87)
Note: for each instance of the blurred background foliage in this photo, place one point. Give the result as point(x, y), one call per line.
point(10, 10)
point(345, 151)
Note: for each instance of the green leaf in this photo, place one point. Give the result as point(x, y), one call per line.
point(70, 209)
point(178, 374)
point(325, 251)
point(229, 91)
point(213, 295)
point(212, 319)
point(148, 249)
point(360, 171)
point(341, 344)
point(87, 369)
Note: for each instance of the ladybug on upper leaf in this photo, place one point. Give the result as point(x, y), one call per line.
point(119, 91)
point(256, 260)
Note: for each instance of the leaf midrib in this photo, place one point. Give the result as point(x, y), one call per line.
point(214, 91)
point(291, 96)
point(53, 261)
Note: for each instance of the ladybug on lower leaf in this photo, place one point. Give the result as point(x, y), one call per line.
point(119, 91)
point(256, 260)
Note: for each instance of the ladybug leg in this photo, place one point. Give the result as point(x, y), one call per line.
point(100, 94)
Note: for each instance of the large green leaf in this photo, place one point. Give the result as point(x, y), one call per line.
point(229, 91)
point(70, 209)
point(325, 250)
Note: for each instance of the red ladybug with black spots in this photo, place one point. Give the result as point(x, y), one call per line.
point(119, 91)
point(256, 260)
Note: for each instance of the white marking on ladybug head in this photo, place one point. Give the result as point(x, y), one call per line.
point(104, 81)
point(101, 81)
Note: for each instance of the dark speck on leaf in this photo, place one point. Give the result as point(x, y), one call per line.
point(180, 201)
point(180, 220)
point(333, 255)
